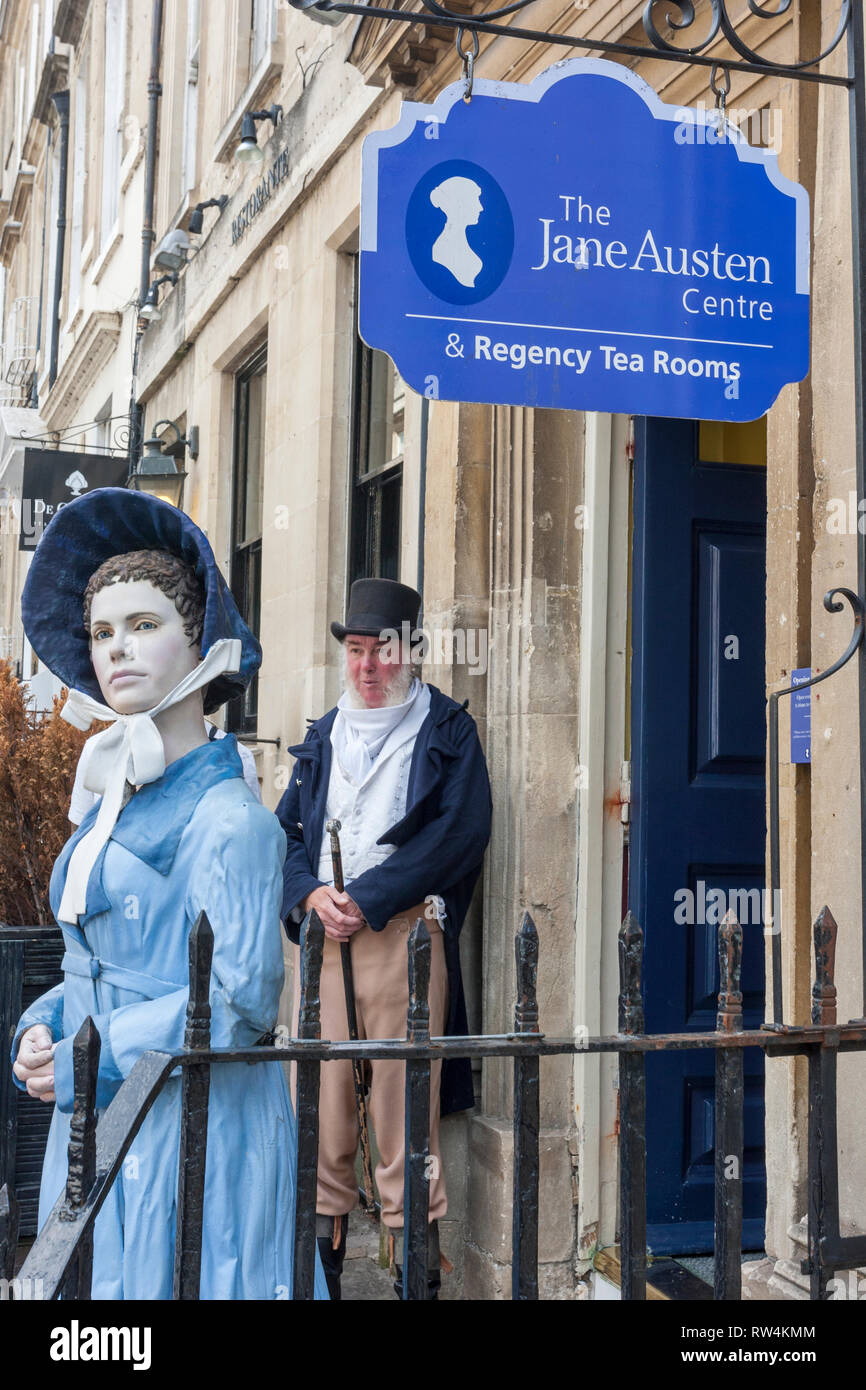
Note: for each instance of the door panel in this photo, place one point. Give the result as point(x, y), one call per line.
point(697, 839)
point(729, 714)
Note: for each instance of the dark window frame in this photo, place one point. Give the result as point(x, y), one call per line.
point(375, 490)
point(245, 569)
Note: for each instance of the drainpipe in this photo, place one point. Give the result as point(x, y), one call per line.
point(61, 102)
point(148, 236)
point(34, 389)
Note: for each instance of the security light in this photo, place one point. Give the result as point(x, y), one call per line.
point(248, 151)
point(195, 222)
point(150, 310)
point(172, 251)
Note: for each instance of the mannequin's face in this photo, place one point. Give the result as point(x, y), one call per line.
point(138, 646)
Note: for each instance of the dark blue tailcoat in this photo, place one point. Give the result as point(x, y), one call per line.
point(440, 844)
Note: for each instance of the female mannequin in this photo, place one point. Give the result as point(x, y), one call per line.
point(183, 835)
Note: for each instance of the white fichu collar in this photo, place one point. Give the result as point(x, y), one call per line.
point(130, 751)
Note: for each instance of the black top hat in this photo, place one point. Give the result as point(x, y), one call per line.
point(377, 605)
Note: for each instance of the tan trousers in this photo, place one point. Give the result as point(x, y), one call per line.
point(381, 974)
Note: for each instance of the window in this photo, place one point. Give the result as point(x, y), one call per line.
point(379, 394)
point(34, 57)
point(52, 328)
point(19, 118)
point(112, 128)
point(48, 25)
point(79, 181)
point(246, 555)
point(178, 137)
point(190, 97)
point(260, 31)
point(102, 420)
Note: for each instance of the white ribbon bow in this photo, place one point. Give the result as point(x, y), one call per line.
point(130, 751)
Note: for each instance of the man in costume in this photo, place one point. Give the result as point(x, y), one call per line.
point(124, 601)
point(401, 767)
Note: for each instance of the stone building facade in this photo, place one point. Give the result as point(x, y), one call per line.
point(315, 465)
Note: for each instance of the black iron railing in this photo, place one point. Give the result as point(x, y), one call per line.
point(60, 1261)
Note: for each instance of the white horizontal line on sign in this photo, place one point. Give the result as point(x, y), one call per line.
point(611, 332)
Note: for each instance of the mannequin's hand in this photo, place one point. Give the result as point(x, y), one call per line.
point(34, 1064)
point(339, 915)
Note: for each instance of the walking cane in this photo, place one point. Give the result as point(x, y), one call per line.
point(371, 1206)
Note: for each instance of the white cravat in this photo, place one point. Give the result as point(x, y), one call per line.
point(359, 735)
point(130, 751)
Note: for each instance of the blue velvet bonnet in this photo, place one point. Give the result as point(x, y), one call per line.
point(85, 533)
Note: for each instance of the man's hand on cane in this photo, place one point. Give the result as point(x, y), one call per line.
point(339, 915)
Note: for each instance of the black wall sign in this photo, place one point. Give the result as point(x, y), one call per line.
point(53, 477)
point(278, 171)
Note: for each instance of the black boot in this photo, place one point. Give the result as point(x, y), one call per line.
point(434, 1262)
point(329, 1229)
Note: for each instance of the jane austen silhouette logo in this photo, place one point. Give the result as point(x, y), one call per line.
point(459, 232)
point(460, 200)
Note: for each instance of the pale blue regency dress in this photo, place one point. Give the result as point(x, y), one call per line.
point(193, 840)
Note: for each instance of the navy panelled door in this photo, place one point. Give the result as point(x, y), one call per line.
point(698, 802)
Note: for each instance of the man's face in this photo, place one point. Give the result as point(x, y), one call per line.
point(138, 646)
point(368, 674)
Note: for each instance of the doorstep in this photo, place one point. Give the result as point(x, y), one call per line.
point(667, 1280)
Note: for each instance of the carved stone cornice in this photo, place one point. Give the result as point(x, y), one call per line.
point(69, 20)
point(389, 53)
point(55, 74)
point(21, 190)
point(93, 347)
point(9, 236)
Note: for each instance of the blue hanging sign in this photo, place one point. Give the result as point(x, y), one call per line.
point(578, 244)
point(801, 717)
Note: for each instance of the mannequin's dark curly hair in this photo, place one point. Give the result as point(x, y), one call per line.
point(165, 571)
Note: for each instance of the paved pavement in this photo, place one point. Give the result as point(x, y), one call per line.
point(364, 1280)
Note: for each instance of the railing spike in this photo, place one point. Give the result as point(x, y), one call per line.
point(194, 1096)
point(418, 1018)
point(9, 1214)
point(526, 954)
point(307, 1094)
point(86, 1047)
point(632, 1116)
point(824, 987)
point(81, 1174)
point(524, 1230)
point(416, 1172)
point(728, 1119)
point(729, 1018)
point(197, 1034)
point(631, 1018)
point(312, 951)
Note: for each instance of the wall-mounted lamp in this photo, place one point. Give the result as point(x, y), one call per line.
point(196, 218)
point(149, 310)
point(157, 472)
point(248, 151)
point(172, 251)
point(312, 11)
